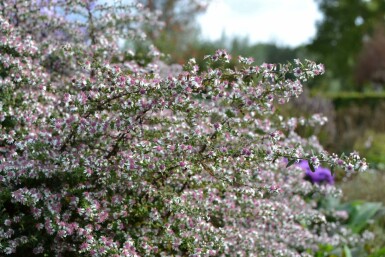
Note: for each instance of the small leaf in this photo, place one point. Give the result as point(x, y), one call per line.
point(230, 114)
point(311, 166)
point(362, 214)
point(291, 162)
point(260, 131)
point(347, 252)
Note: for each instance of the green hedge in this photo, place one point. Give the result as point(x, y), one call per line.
point(346, 99)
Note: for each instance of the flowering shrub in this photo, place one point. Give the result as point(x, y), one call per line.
point(101, 155)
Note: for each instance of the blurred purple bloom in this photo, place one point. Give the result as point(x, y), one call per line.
point(47, 11)
point(320, 176)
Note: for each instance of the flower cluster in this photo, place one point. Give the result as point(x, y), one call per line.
point(103, 155)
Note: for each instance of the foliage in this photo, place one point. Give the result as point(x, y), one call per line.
point(360, 213)
point(355, 190)
point(349, 125)
point(308, 106)
point(352, 117)
point(357, 215)
point(372, 144)
point(370, 67)
point(260, 52)
point(179, 31)
point(340, 35)
point(106, 155)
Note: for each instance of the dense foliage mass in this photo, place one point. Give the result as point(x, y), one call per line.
point(105, 152)
point(348, 25)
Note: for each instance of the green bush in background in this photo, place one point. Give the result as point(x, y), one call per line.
point(373, 145)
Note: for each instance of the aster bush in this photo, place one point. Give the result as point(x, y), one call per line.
point(105, 154)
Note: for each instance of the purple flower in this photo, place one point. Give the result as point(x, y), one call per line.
point(320, 176)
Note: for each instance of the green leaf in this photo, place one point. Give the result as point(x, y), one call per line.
point(291, 162)
point(230, 114)
point(311, 166)
point(362, 214)
point(347, 252)
point(260, 131)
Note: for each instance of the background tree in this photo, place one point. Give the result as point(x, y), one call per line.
point(180, 31)
point(341, 32)
point(370, 67)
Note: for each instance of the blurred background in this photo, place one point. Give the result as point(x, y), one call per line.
point(348, 36)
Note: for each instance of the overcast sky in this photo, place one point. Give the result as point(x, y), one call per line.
point(285, 22)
